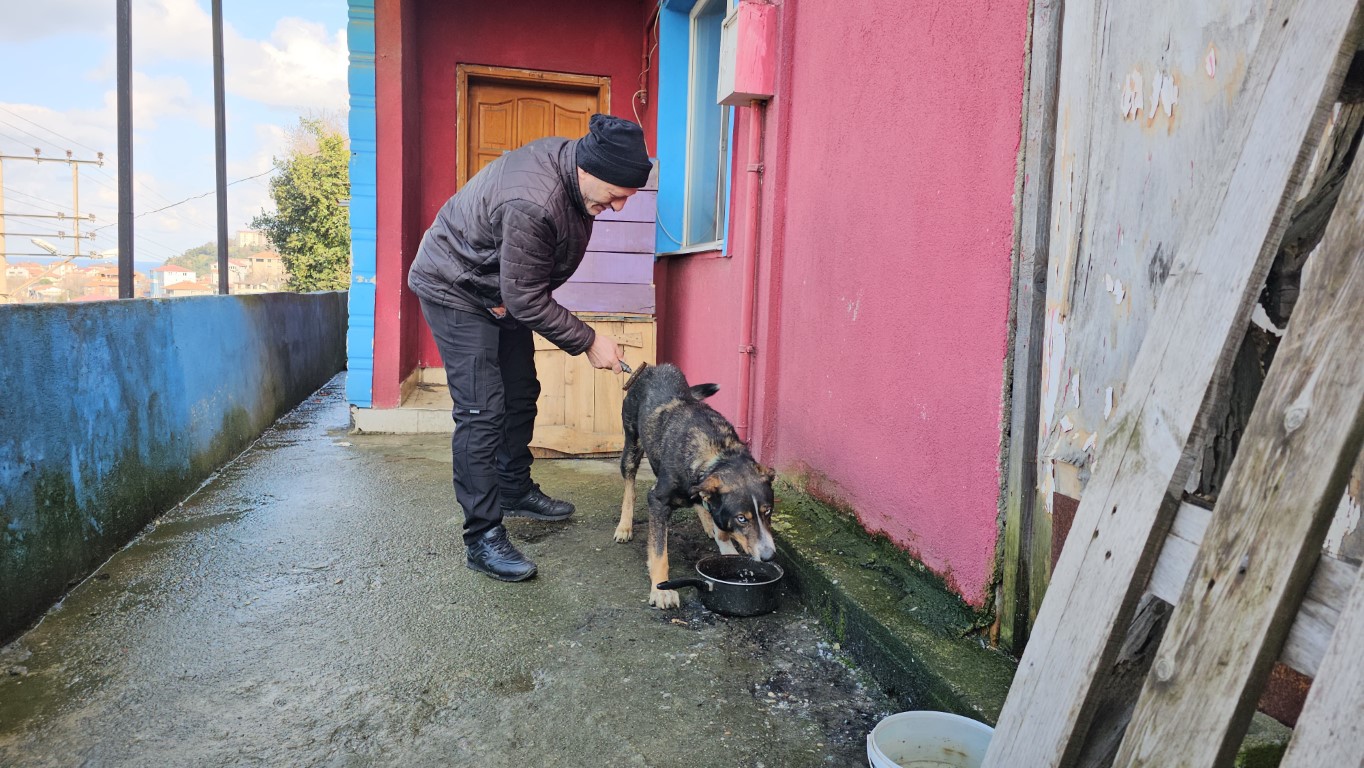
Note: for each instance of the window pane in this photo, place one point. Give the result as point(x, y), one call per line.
point(707, 127)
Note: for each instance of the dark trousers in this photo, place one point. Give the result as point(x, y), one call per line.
point(490, 366)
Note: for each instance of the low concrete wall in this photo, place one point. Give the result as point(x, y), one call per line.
point(114, 411)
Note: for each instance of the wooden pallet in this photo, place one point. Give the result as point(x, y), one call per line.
point(1238, 576)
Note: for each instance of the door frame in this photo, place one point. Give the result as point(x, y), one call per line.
point(466, 74)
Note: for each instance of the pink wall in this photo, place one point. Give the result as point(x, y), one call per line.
point(603, 38)
point(697, 317)
point(884, 279)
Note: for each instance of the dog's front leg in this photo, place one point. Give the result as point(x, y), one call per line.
point(658, 554)
point(629, 465)
point(712, 530)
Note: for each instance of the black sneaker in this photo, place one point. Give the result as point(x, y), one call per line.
point(537, 505)
point(493, 554)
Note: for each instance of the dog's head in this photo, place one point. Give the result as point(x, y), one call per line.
point(740, 503)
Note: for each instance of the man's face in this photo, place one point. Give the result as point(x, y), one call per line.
point(598, 195)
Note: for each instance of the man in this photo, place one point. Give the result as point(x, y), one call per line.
point(484, 273)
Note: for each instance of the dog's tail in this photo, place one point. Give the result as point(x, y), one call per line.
point(703, 391)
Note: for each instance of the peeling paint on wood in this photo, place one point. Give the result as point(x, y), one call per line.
point(1121, 196)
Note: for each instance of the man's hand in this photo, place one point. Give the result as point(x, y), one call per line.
point(605, 353)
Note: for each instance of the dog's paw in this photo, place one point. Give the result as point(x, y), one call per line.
point(664, 598)
point(624, 533)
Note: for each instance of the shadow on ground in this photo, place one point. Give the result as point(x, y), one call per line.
point(310, 606)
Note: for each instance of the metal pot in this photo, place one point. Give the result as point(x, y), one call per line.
point(734, 585)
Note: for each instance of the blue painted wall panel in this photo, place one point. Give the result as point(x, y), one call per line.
point(116, 410)
point(363, 203)
point(673, 44)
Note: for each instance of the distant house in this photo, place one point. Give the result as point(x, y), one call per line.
point(170, 274)
point(189, 288)
point(101, 288)
point(47, 293)
point(250, 238)
point(237, 271)
point(266, 268)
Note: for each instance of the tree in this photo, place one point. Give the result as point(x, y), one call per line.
point(202, 259)
point(199, 260)
point(311, 226)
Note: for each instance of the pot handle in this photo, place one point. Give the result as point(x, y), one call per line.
point(700, 584)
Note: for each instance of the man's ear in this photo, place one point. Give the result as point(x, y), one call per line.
point(707, 488)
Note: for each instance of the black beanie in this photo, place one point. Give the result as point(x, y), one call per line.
point(613, 151)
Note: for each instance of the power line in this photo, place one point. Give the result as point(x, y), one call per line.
point(29, 133)
point(191, 198)
point(54, 206)
point(49, 130)
point(141, 183)
point(15, 138)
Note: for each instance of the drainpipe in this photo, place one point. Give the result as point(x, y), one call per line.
point(749, 293)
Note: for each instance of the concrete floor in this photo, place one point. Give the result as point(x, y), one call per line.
point(310, 606)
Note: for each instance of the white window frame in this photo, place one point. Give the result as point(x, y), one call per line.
point(721, 203)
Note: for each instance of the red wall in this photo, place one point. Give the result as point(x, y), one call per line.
point(885, 260)
point(600, 38)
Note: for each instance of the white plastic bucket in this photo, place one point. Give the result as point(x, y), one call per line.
point(928, 740)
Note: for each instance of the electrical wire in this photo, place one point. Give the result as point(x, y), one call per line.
point(49, 130)
point(192, 198)
point(30, 133)
point(97, 169)
point(50, 205)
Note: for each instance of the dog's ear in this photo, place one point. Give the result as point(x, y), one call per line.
point(703, 391)
point(707, 488)
point(767, 473)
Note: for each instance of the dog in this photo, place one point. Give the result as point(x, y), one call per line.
point(699, 461)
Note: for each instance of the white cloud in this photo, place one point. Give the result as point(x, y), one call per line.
point(171, 29)
point(156, 98)
point(301, 67)
point(31, 20)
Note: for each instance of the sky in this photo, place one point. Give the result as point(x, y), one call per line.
point(284, 59)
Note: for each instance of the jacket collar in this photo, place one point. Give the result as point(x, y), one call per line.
point(568, 173)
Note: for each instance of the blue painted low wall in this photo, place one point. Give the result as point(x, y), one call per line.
point(112, 412)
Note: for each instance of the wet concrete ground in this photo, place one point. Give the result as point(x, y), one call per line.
point(310, 606)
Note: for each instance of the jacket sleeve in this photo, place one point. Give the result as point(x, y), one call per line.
point(527, 258)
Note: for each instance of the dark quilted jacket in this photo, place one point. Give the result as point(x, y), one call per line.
point(515, 232)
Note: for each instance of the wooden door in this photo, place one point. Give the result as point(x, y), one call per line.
point(500, 110)
point(503, 109)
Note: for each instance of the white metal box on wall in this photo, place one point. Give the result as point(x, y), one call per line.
point(748, 54)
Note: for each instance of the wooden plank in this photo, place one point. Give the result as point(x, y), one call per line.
point(1270, 522)
point(1327, 591)
point(608, 395)
point(582, 395)
point(549, 369)
point(603, 267)
point(1030, 292)
point(580, 406)
point(568, 440)
point(622, 237)
point(1128, 170)
point(642, 206)
point(1311, 632)
point(606, 297)
point(1330, 731)
point(1127, 509)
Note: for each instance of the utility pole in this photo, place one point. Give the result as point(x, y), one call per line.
point(123, 55)
point(37, 157)
point(4, 263)
point(75, 194)
point(220, 145)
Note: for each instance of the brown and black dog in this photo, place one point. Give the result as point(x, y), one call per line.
point(699, 461)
